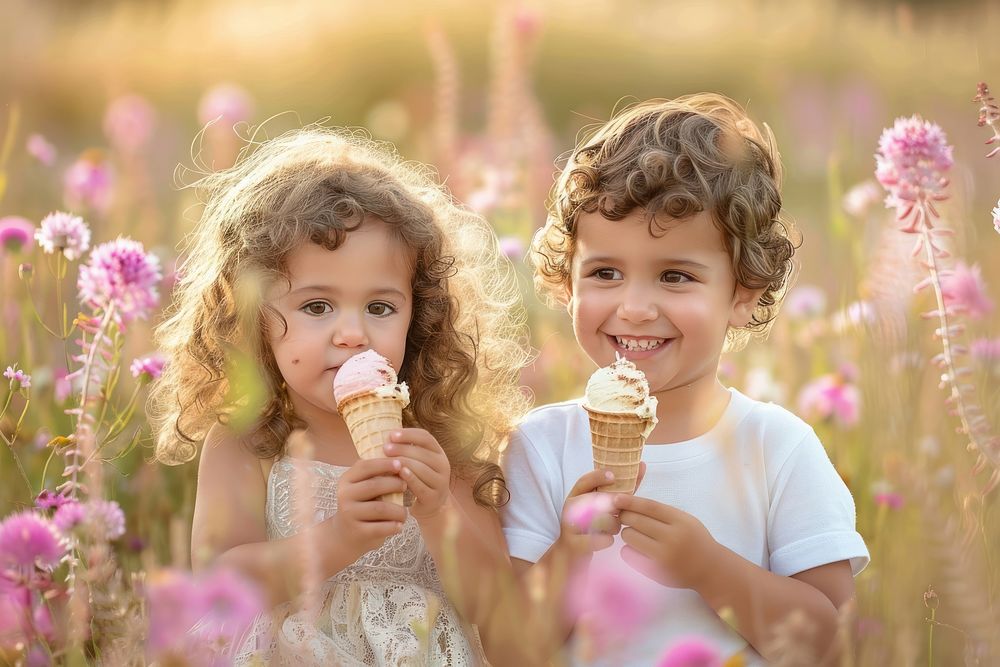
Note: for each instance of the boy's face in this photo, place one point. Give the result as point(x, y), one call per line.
point(663, 302)
point(341, 302)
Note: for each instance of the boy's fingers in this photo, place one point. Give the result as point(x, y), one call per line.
point(644, 524)
point(591, 481)
point(651, 508)
point(639, 541)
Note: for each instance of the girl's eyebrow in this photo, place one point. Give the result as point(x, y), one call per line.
point(327, 289)
point(666, 261)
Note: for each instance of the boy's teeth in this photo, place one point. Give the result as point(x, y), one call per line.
point(633, 344)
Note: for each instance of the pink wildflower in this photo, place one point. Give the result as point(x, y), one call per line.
point(122, 273)
point(40, 149)
point(15, 233)
point(129, 122)
point(147, 369)
point(18, 378)
point(589, 511)
point(62, 385)
point(63, 232)
point(805, 302)
point(47, 500)
point(229, 604)
point(512, 247)
point(611, 600)
point(691, 652)
point(913, 156)
point(985, 349)
point(831, 397)
point(964, 291)
point(15, 615)
point(100, 520)
point(884, 495)
point(89, 182)
point(996, 217)
point(227, 104)
point(861, 197)
point(28, 540)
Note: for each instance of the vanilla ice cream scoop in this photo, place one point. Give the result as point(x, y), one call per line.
point(621, 388)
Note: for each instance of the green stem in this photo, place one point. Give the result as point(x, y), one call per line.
point(930, 639)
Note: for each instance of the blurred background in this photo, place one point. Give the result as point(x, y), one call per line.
point(104, 105)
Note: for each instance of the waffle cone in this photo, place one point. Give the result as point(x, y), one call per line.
point(371, 418)
point(617, 441)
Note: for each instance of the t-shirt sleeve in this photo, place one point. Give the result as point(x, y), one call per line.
point(812, 517)
point(531, 518)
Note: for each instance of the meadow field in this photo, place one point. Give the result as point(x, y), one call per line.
point(109, 109)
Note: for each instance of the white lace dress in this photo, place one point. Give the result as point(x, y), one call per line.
point(387, 609)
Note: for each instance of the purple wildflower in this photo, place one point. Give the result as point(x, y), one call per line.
point(18, 378)
point(122, 273)
point(15, 233)
point(28, 540)
point(913, 156)
point(69, 516)
point(691, 652)
point(226, 103)
point(171, 596)
point(147, 369)
point(89, 182)
point(47, 500)
point(100, 520)
point(129, 122)
point(40, 149)
point(63, 232)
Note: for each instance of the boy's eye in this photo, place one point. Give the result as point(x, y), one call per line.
point(317, 308)
point(607, 274)
point(381, 308)
point(675, 277)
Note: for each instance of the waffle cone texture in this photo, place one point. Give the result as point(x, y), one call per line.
point(370, 419)
point(617, 440)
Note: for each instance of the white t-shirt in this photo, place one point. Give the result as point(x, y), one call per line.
point(759, 480)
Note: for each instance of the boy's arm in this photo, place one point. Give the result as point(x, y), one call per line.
point(675, 549)
point(228, 528)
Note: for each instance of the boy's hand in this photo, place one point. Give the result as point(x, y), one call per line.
point(425, 469)
point(666, 544)
point(362, 520)
point(586, 500)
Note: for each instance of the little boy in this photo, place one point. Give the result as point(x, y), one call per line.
point(665, 244)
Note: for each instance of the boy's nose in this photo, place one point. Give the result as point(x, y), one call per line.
point(637, 306)
point(350, 333)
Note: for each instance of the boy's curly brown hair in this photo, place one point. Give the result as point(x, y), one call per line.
point(674, 159)
point(466, 342)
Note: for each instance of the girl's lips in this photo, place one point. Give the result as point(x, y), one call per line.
point(634, 355)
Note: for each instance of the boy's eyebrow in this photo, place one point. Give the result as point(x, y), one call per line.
point(326, 289)
point(687, 263)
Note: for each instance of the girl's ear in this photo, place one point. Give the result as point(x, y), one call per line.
point(745, 301)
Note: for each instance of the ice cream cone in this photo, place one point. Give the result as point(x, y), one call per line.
point(617, 439)
point(371, 418)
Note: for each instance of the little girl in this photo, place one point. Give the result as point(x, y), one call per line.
point(314, 247)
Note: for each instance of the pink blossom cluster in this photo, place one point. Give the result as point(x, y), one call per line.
point(15, 233)
point(121, 274)
point(913, 157)
point(63, 232)
point(18, 378)
point(193, 617)
point(834, 397)
point(97, 520)
point(147, 369)
point(89, 183)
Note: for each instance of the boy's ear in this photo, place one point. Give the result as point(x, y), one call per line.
point(745, 301)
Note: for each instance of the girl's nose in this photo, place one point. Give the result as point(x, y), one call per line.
point(350, 333)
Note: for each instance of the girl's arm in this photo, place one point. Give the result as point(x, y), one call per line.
point(228, 529)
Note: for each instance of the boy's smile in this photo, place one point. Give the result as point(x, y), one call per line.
point(664, 302)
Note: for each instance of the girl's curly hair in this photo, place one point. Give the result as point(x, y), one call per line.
point(674, 159)
point(466, 341)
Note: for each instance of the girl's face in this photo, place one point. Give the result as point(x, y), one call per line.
point(340, 302)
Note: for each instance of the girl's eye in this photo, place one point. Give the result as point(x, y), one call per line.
point(317, 308)
point(607, 274)
point(381, 308)
point(675, 277)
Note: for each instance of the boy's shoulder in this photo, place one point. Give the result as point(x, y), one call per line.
point(547, 423)
point(774, 426)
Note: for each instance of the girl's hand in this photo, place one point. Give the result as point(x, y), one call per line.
point(664, 543)
point(425, 469)
point(362, 520)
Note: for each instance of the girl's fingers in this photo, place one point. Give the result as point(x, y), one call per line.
point(373, 487)
point(420, 488)
point(375, 529)
point(418, 437)
point(436, 460)
point(378, 511)
point(366, 468)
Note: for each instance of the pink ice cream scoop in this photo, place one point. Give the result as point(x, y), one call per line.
point(368, 372)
